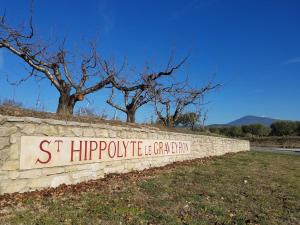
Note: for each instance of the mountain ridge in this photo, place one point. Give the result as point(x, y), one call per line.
point(249, 119)
point(246, 120)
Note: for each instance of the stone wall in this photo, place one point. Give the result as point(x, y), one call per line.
point(13, 179)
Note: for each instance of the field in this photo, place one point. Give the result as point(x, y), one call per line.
point(242, 188)
point(277, 142)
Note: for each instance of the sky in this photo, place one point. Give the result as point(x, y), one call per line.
point(251, 47)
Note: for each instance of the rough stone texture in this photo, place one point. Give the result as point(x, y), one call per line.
point(4, 141)
point(12, 179)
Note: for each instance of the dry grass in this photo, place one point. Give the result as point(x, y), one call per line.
point(243, 188)
point(23, 112)
point(278, 142)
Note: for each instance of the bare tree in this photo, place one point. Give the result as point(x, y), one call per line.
point(54, 65)
point(171, 101)
point(203, 116)
point(131, 102)
point(137, 94)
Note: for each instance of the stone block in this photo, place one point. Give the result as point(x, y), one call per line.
point(100, 174)
point(4, 177)
point(77, 131)
point(15, 119)
point(4, 142)
point(2, 120)
point(65, 131)
point(4, 156)
point(7, 131)
point(84, 174)
point(61, 179)
point(101, 133)
point(88, 132)
point(74, 168)
point(10, 165)
point(30, 173)
point(34, 120)
point(85, 167)
point(112, 134)
point(28, 129)
point(53, 170)
point(11, 186)
point(122, 134)
point(47, 130)
point(41, 182)
point(13, 174)
point(14, 138)
point(130, 166)
point(114, 169)
point(14, 151)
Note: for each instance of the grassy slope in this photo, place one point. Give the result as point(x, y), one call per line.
point(94, 119)
point(252, 188)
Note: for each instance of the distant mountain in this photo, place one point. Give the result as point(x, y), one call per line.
point(246, 120)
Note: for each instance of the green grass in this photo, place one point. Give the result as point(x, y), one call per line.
point(242, 188)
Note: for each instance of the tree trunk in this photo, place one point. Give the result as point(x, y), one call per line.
point(130, 116)
point(66, 104)
point(169, 122)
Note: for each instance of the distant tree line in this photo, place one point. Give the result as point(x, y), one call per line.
point(278, 128)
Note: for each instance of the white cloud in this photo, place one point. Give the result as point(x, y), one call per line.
point(292, 61)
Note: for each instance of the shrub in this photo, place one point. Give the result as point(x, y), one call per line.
point(298, 129)
point(284, 128)
point(11, 103)
point(232, 131)
point(215, 130)
point(189, 119)
point(256, 130)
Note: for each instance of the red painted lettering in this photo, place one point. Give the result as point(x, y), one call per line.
point(174, 149)
point(186, 147)
point(155, 148)
point(180, 147)
point(58, 144)
point(139, 148)
point(109, 149)
point(149, 149)
point(161, 146)
point(133, 147)
point(119, 151)
point(125, 147)
point(102, 147)
point(44, 150)
point(167, 147)
point(85, 149)
point(75, 150)
point(93, 148)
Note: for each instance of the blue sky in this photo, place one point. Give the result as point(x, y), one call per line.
point(252, 47)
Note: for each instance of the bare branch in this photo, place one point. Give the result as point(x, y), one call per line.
point(110, 102)
point(180, 96)
point(23, 79)
point(96, 87)
point(31, 63)
point(54, 66)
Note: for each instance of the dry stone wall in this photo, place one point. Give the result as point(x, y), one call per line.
point(15, 179)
